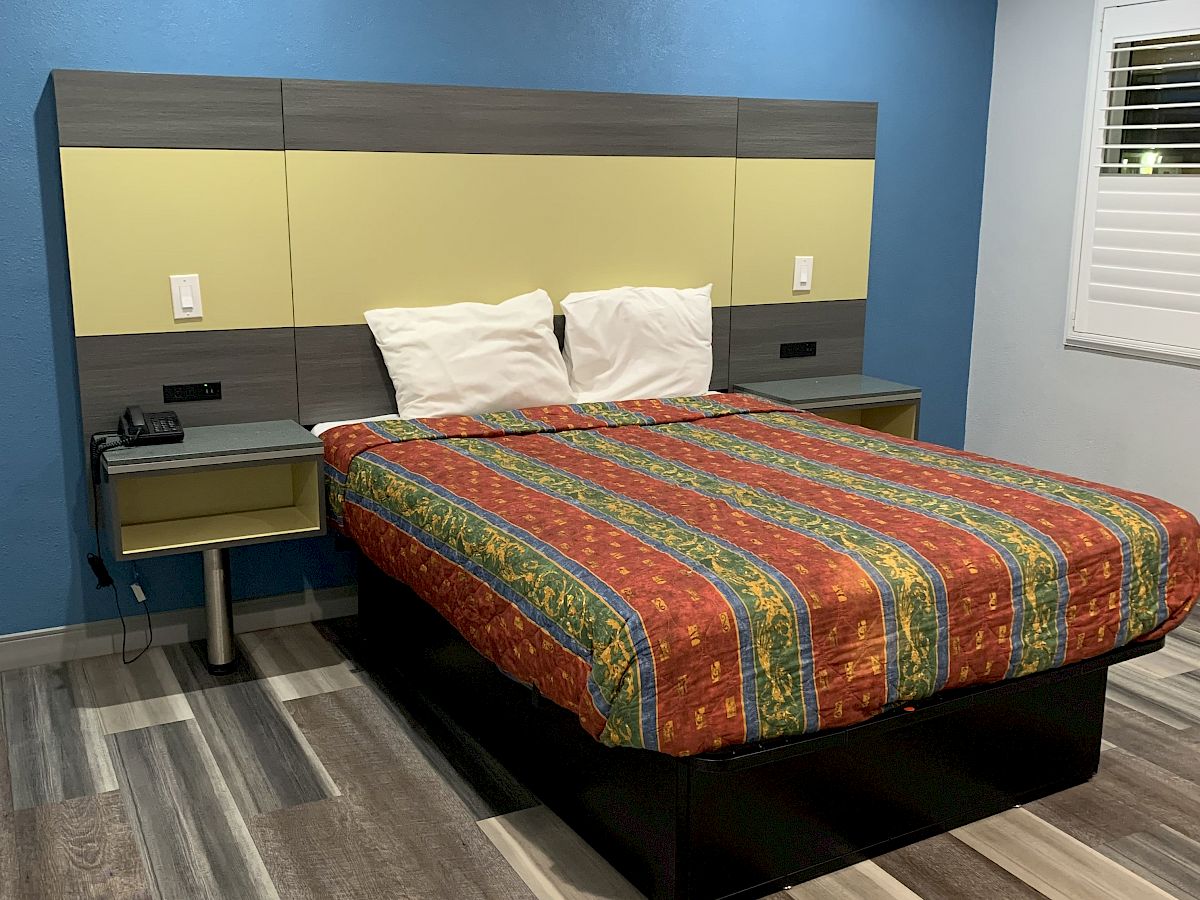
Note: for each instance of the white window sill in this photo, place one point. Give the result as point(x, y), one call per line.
point(1176, 355)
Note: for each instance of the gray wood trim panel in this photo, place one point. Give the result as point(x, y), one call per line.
point(806, 129)
point(256, 368)
point(125, 109)
point(757, 331)
point(341, 375)
point(721, 317)
point(419, 118)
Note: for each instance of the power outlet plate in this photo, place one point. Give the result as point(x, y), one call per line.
point(797, 349)
point(187, 393)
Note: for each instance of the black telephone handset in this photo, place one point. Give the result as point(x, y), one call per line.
point(136, 427)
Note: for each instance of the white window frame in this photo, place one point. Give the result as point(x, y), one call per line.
point(1083, 233)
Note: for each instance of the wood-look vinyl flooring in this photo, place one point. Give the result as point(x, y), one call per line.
point(300, 776)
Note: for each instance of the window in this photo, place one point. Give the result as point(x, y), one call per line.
point(1136, 286)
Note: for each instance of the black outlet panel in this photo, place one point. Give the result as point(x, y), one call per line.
point(797, 349)
point(186, 393)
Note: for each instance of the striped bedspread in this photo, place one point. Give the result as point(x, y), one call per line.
point(692, 573)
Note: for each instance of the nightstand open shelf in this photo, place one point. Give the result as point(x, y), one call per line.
point(899, 419)
point(208, 506)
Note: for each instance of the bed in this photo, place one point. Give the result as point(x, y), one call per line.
point(790, 643)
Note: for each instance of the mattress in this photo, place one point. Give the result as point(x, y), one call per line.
point(692, 573)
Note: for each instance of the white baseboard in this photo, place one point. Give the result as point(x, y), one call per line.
point(67, 642)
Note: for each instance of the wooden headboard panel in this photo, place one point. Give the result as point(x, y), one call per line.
point(303, 203)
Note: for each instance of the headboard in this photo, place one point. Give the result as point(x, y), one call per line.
point(303, 203)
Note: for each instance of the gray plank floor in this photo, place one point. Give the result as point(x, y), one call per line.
point(299, 776)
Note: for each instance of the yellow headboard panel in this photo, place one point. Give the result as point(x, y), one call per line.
point(802, 207)
point(137, 215)
point(424, 229)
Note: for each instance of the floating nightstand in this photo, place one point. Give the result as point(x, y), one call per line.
point(222, 486)
point(854, 399)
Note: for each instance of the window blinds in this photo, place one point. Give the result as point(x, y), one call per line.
point(1138, 283)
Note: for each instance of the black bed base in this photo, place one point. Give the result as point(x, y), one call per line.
point(750, 820)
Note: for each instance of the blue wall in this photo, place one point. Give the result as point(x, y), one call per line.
point(927, 62)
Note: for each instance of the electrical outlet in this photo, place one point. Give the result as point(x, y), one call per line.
point(797, 349)
point(186, 393)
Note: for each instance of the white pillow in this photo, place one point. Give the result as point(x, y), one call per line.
point(639, 343)
point(469, 358)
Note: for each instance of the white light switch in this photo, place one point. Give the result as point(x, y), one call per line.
point(802, 274)
point(185, 296)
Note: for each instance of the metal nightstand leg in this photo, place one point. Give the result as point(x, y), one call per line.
point(218, 607)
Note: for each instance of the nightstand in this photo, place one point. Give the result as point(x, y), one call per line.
point(854, 399)
point(222, 486)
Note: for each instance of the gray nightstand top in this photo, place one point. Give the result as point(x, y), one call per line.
point(831, 390)
point(209, 445)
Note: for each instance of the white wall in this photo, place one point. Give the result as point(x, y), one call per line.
point(1123, 421)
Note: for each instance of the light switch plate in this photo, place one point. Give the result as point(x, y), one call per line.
point(185, 297)
point(802, 274)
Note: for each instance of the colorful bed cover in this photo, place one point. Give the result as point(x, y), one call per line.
point(692, 573)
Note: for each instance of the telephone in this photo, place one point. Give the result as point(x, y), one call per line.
point(137, 427)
